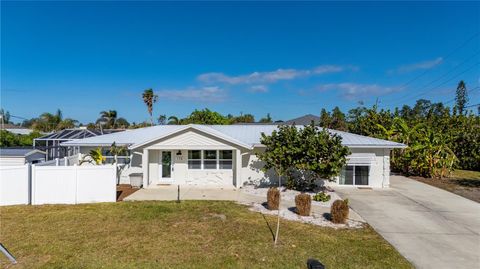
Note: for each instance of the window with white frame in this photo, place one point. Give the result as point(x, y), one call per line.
point(209, 159)
point(194, 159)
point(225, 159)
point(354, 175)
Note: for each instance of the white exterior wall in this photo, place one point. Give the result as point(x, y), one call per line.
point(379, 173)
point(182, 175)
point(184, 141)
point(251, 169)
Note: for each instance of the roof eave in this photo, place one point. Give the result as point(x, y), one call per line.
point(378, 146)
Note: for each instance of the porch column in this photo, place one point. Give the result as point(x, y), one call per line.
point(238, 168)
point(145, 167)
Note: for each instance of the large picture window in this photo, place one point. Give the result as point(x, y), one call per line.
point(194, 159)
point(209, 159)
point(225, 159)
point(354, 175)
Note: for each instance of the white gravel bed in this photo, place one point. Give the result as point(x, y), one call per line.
point(314, 219)
point(289, 195)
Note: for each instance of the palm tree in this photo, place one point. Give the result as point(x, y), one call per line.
point(162, 119)
point(149, 98)
point(95, 156)
point(48, 122)
point(109, 118)
point(172, 120)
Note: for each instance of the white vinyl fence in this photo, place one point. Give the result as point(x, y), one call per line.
point(57, 184)
point(14, 185)
point(71, 160)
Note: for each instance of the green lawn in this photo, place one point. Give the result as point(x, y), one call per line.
point(185, 235)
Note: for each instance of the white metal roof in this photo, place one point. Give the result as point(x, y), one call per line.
point(243, 135)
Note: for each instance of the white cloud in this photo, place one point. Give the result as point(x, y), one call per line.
point(203, 94)
point(271, 76)
point(258, 89)
point(352, 91)
point(417, 66)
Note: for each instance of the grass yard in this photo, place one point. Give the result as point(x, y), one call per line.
point(192, 234)
point(462, 182)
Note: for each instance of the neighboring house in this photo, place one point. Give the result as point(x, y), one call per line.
point(11, 157)
point(50, 143)
point(303, 120)
point(15, 129)
point(224, 155)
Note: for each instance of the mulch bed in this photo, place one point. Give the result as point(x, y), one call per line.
point(124, 190)
point(469, 189)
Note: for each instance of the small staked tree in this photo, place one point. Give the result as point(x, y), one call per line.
point(279, 155)
point(150, 98)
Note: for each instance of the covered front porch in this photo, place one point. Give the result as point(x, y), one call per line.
point(192, 166)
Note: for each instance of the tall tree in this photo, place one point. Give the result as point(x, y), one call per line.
point(325, 119)
point(461, 97)
point(48, 122)
point(4, 116)
point(149, 98)
point(205, 116)
point(267, 119)
point(338, 120)
point(243, 118)
point(122, 123)
point(172, 120)
point(109, 118)
point(162, 119)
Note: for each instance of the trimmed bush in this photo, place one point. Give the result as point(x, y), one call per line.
point(339, 211)
point(273, 198)
point(321, 197)
point(303, 202)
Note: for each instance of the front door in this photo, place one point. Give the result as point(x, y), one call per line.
point(166, 167)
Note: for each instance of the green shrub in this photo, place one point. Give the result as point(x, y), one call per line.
point(273, 198)
point(339, 211)
point(322, 197)
point(303, 202)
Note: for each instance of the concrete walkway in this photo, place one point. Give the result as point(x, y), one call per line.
point(431, 227)
point(170, 193)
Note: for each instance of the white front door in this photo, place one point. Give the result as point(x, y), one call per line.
point(166, 167)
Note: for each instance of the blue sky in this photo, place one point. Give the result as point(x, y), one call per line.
point(287, 59)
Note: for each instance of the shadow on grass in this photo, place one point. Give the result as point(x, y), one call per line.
point(472, 183)
point(269, 227)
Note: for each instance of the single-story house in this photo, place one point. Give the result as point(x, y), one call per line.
point(20, 156)
point(224, 155)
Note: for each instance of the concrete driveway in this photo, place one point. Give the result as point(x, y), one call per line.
point(431, 227)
